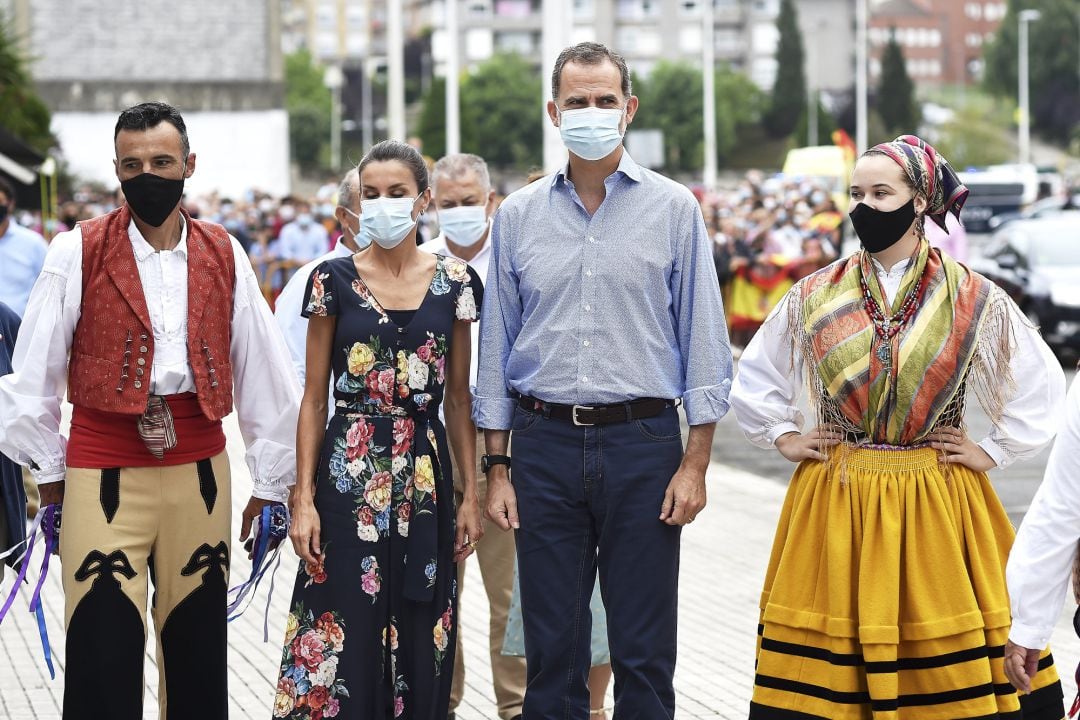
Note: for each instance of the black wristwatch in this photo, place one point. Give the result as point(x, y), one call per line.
point(487, 461)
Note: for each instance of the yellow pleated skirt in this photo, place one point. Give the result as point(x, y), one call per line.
point(885, 597)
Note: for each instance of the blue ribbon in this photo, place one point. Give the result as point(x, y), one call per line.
point(272, 524)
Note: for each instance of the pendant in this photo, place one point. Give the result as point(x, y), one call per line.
point(884, 353)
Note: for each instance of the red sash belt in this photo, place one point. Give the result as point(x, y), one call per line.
point(102, 439)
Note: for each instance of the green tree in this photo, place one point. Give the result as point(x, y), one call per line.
point(307, 100)
point(740, 105)
point(826, 124)
point(789, 90)
point(1053, 61)
point(502, 114)
point(432, 123)
point(896, 92)
point(969, 139)
point(671, 100)
point(22, 112)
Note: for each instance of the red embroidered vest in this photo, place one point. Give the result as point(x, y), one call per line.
point(113, 349)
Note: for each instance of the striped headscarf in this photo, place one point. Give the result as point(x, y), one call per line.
point(929, 173)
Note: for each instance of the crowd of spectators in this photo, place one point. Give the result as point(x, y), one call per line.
point(767, 233)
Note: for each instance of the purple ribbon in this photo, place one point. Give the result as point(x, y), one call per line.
point(47, 522)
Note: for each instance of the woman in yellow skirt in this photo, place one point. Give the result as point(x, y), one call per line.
point(885, 594)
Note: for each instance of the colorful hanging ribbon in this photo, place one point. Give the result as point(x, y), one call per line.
point(271, 525)
point(47, 523)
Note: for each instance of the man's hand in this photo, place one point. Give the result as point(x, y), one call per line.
point(51, 493)
point(959, 448)
point(252, 511)
point(797, 447)
point(501, 500)
point(1021, 664)
point(684, 497)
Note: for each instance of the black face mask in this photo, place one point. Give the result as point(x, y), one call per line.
point(3, 213)
point(152, 197)
point(879, 230)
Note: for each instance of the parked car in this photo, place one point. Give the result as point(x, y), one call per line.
point(1040, 208)
point(1037, 262)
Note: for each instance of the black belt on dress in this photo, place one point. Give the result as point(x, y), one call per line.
point(586, 415)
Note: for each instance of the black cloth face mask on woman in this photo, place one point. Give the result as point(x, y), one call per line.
point(880, 229)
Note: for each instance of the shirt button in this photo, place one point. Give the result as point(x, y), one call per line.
point(586, 343)
point(142, 349)
point(588, 307)
point(138, 384)
point(588, 273)
point(592, 239)
point(584, 378)
point(139, 371)
point(142, 361)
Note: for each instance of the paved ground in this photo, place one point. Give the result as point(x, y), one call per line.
point(724, 558)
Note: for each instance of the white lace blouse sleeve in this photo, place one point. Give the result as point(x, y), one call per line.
point(767, 386)
point(1032, 415)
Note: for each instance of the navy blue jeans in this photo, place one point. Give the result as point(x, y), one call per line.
point(589, 499)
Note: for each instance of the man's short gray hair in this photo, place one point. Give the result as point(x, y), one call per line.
point(455, 166)
point(349, 190)
point(590, 53)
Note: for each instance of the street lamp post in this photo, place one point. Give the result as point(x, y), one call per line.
point(1025, 17)
point(333, 79)
point(861, 81)
point(708, 66)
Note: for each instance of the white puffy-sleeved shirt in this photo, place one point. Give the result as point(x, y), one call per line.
point(1045, 547)
point(767, 387)
point(267, 394)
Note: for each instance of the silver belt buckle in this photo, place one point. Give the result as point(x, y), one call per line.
point(574, 412)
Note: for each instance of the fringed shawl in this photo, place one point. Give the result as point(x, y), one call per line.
point(900, 394)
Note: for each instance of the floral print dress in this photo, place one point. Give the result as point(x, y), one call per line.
point(371, 629)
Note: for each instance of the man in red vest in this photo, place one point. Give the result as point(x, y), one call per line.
point(156, 325)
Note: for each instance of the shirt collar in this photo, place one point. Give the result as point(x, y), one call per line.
point(144, 250)
point(899, 267)
point(341, 249)
point(443, 248)
point(627, 167)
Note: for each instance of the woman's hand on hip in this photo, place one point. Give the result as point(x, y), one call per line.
point(797, 447)
point(959, 448)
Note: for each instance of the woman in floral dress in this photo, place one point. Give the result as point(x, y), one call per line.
point(373, 616)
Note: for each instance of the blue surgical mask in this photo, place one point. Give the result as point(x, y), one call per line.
point(360, 237)
point(591, 133)
point(303, 219)
point(387, 221)
point(464, 225)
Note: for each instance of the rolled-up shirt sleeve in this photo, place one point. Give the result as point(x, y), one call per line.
point(30, 396)
point(1041, 558)
point(267, 390)
point(701, 326)
point(1032, 414)
point(766, 389)
point(500, 323)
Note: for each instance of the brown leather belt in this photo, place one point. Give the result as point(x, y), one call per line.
point(587, 415)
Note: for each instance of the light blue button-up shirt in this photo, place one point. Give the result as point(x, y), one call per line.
point(22, 255)
point(588, 310)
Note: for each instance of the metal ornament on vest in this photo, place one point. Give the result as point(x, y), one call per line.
point(112, 352)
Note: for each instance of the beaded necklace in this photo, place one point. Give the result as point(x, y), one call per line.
point(887, 326)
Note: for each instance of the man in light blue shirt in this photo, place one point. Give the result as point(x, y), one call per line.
point(22, 254)
point(303, 239)
point(602, 314)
